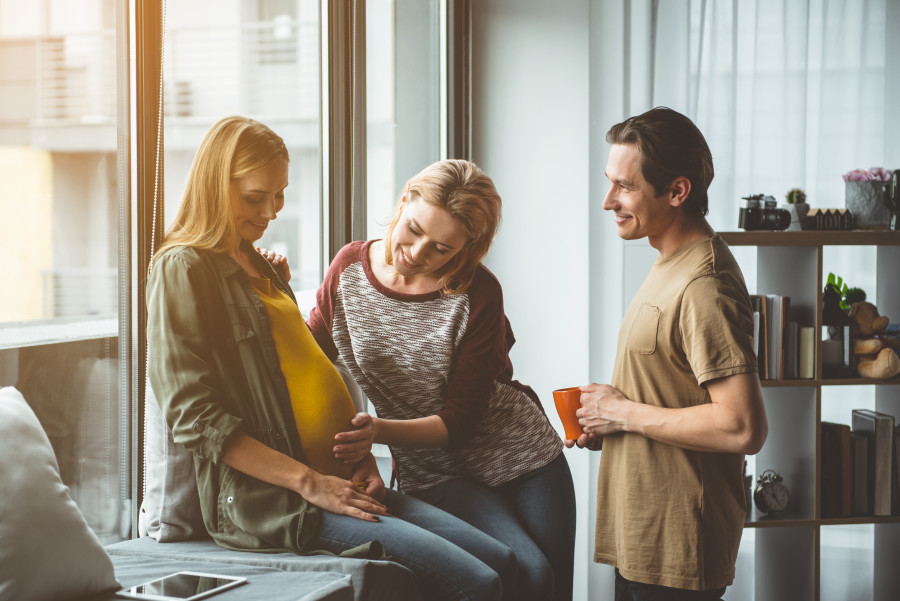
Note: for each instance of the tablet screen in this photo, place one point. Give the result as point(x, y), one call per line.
point(183, 586)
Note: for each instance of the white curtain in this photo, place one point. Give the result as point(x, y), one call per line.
point(789, 93)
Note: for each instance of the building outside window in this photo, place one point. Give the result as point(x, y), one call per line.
point(260, 59)
point(404, 87)
point(59, 248)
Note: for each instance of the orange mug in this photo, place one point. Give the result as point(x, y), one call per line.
point(568, 401)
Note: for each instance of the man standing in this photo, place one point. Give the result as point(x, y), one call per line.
point(684, 404)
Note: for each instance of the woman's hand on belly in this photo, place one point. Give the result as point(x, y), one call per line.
point(353, 446)
point(367, 478)
point(248, 455)
point(341, 496)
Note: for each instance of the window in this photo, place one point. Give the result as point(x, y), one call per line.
point(258, 58)
point(60, 242)
point(404, 91)
point(79, 205)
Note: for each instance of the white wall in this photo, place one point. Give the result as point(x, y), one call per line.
point(532, 113)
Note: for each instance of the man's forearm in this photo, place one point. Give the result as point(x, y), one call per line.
point(733, 422)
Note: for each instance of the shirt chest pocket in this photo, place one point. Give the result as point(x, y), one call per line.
point(240, 314)
point(642, 336)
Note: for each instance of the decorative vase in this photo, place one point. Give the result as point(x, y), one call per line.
point(865, 200)
point(798, 211)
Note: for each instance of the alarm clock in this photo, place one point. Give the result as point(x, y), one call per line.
point(771, 495)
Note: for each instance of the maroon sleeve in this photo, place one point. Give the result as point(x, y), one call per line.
point(321, 317)
point(481, 359)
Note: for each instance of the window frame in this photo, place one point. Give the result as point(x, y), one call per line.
point(148, 223)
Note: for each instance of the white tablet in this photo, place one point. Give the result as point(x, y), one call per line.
point(182, 586)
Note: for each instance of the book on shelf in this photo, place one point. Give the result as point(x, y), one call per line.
point(895, 487)
point(774, 304)
point(783, 326)
point(837, 473)
point(776, 338)
point(792, 332)
point(859, 458)
point(756, 333)
point(760, 343)
point(806, 359)
point(879, 428)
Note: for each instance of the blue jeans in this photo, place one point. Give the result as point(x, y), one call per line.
point(451, 560)
point(626, 590)
point(533, 515)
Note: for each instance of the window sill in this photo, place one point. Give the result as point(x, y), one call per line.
point(56, 331)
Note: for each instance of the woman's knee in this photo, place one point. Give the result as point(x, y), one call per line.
point(504, 567)
point(504, 562)
point(535, 576)
point(485, 585)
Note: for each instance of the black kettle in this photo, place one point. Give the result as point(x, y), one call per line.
point(892, 198)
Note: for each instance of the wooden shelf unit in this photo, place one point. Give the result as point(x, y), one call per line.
point(788, 560)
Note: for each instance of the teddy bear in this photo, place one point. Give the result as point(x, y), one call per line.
point(874, 353)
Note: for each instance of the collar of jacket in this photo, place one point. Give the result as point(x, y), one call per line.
point(230, 268)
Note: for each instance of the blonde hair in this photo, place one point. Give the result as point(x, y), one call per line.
point(232, 149)
point(468, 194)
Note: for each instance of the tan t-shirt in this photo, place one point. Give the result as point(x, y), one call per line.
point(666, 515)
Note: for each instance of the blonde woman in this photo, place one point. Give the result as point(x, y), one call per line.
point(245, 387)
point(419, 322)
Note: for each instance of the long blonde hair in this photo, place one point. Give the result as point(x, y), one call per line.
point(468, 194)
point(232, 149)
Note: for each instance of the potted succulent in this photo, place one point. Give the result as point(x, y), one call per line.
point(797, 207)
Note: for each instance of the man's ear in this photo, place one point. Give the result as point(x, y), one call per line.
point(679, 191)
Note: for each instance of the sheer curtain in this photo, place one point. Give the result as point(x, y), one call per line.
point(789, 93)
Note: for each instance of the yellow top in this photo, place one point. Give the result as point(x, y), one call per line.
point(319, 398)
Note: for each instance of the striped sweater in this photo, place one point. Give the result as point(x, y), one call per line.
point(435, 354)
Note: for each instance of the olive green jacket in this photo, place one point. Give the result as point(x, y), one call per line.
point(214, 369)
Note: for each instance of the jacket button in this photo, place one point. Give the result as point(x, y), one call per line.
point(230, 499)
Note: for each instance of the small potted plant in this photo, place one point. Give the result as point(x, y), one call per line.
point(834, 309)
point(797, 207)
point(836, 323)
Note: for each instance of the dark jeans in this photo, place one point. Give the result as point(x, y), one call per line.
point(626, 590)
point(533, 515)
point(452, 560)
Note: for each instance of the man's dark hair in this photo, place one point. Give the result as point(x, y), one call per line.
point(670, 146)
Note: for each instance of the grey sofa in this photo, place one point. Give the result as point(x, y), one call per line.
point(270, 576)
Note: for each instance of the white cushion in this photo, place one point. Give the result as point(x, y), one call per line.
point(48, 551)
point(170, 510)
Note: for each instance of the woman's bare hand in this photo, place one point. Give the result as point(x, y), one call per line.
point(278, 261)
point(354, 445)
point(342, 497)
point(367, 478)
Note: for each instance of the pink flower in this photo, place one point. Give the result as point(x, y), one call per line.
point(857, 175)
point(880, 174)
